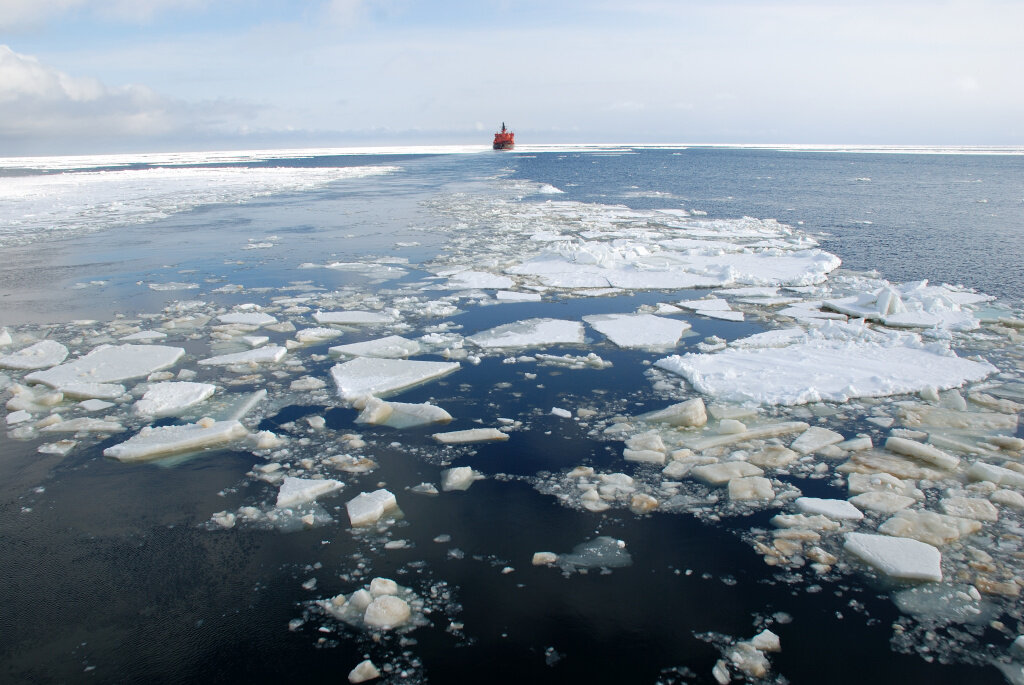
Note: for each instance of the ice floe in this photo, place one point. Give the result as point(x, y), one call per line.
point(295, 491)
point(153, 443)
point(170, 398)
point(530, 333)
point(638, 330)
point(847, 362)
point(269, 354)
point(40, 355)
point(900, 558)
point(352, 318)
point(389, 347)
point(109, 364)
point(370, 376)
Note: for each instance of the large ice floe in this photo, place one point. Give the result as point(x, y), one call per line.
point(831, 363)
point(370, 376)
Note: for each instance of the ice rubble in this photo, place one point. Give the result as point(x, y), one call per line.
point(638, 330)
point(831, 363)
point(913, 305)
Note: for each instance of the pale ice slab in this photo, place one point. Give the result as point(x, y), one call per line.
point(152, 443)
point(352, 318)
point(40, 355)
point(896, 557)
point(379, 412)
point(638, 330)
point(165, 399)
point(390, 347)
point(466, 280)
point(838, 509)
point(247, 318)
point(470, 435)
point(530, 333)
point(515, 296)
point(109, 364)
point(295, 491)
point(369, 507)
point(262, 355)
point(827, 365)
point(369, 376)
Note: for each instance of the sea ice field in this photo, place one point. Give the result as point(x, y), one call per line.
point(596, 414)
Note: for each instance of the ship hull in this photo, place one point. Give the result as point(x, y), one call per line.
point(504, 146)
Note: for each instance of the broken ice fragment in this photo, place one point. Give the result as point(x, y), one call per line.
point(601, 552)
point(352, 317)
point(369, 507)
point(151, 443)
point(295, 491)
point(901, 558)
point(387, 612)
point(248, 318)
point(638, 330)
point(40, 355)
point(722, 473)
point(815, 438)
point(530, 333)
point(390, 347)
point(261, 355)
point(400, 415)
point(470, 435)
point(365, 376)
point(921, 451)
point(109, 364)
point(459, 478)
point(365, 670)
point(688, 413)
point(751, 488)
point(929, 526)
point(837, 509)
point(165, 399)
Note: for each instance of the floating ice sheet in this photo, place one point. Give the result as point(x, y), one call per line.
point(368, 376)
point(295, 491)
point(913, 305)
point(153, 443)
point(109, 364)
point(262, 355)
point(41, 355)
point(352, 318)
point(896, 557)
point(466, 280)
point(390, 347)
point(248, 318)
point(834, 363)
point(530, 333)
point(638, 330)
point(165, 399)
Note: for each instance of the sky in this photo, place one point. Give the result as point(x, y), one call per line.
point(91, 76)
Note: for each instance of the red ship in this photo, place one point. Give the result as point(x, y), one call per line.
point(504, 139)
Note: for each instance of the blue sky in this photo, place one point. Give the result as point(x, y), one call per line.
point(113, 75)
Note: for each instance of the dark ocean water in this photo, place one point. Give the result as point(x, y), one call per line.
point(111, 573)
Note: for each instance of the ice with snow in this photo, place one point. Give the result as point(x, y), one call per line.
point(352, 318)
point(40, 355)
point(470, 435)
point(838, 509)
point(171, 397)
point(269, 354)
point(369, 507)
point(247, 318)
point(833, 363)
point(378, 412)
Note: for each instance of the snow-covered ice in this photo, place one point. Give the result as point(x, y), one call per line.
point(171, 397)
point(269, 354)
point(901, 558)
point(40, 355)
point(108, 364)
point(369, 507)
point(530, 333)
point(352, 318)
point(390, 347)
point(153, 443)
point(294, 491)
point(638, 330)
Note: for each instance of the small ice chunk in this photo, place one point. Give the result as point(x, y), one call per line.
point(19, 416)
point(261, 355)
point(108, 364)
point(918, 450)
point(688, 413)
point(644, 456)
point(773, 457)
point(366, 376)
point(387, 612)
point(470, 435)
point(722, 473)
point(896, 557)
point(814, 439)
point(383, 586)
point(144, 335)
point(365, 670)
point(970, 508)
point(929, 526)
point(377, 412)
point(61, 447)
point(458, 478)
point(751, 488)
point(882, 502)
point(95, 405)
point(731, 427)
point(315, 335)
point(295, 491)
point(766, 641)
point(166, 399)
point(544, 558)
point(561, 413)
point(980, 471)
point(369, 507)
point(40, 355)
point(151, 443)
point(390, 347)
point(838, 509)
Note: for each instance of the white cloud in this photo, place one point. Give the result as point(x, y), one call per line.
point(22, 13)
point(40, 103)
